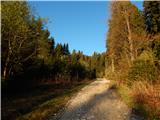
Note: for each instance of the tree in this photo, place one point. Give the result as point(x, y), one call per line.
point(152, 24)
point(52, 45)
point(59, 50)
point(24, 38)
point(15, 36)
point(66, 49)
point(152, 16)
point(125, 27)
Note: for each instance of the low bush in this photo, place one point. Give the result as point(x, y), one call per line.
point(143, 70)
point(146, 98)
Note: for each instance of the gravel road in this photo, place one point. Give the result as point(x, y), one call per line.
point(96, 102)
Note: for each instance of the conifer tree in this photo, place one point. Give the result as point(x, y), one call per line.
point(152, 16)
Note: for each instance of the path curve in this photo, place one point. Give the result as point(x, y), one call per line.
point(96, 102)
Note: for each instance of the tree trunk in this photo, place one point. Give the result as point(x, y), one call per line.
point(129, 37)
point(6, 65)
point(5, 71)
point(112, 63)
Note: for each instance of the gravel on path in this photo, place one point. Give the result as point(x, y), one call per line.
point(96, 102)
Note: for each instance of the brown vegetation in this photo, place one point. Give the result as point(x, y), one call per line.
point(147, 97)
point(133, 44)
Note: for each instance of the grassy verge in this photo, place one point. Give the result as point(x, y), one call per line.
point(51, 106)
point(123, 91)
point(147, 99)
point(142, 97)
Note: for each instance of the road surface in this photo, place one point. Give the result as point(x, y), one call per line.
point(96, 102)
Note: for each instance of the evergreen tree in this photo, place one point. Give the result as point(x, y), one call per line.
point(67, 49)
point(59, 50)
point(52, 45)
point(152, 23)
point(152, 16)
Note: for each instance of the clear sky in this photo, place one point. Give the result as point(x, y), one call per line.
point(83, 25)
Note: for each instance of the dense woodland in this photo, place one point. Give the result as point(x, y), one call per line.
point(34, 66)
point(133, 54)
point(30, 56)
point(133, 39)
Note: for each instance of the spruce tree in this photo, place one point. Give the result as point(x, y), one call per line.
point(152, 16)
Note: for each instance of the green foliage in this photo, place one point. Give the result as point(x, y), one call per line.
point(142, 70)
point(156, 46)
point(15, 36)
point(109, 74)
point(152, 16)
point(97, 63)
point(146, 56)
point(30, 56)
point(59, 50)
point(124, 91)
point(24, 39)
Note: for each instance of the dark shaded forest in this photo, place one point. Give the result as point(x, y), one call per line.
point(30, 56)
point(32, 61)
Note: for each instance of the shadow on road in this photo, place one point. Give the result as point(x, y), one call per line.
point(104, 106)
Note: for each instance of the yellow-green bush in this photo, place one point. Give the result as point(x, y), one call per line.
point(143, 68)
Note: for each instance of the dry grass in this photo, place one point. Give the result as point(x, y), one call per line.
point(141, 96)
point(147, 97)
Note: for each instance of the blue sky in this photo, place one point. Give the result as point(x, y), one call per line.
point(83, 25)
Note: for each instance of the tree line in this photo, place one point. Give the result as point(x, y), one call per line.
point(133, 40)
point(133, 55)
point(30, 55)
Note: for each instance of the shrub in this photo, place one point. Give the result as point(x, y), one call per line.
point(143, 70)
point(147, 99)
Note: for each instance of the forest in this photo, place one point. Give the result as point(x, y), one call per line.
point(133, 55)
point(31, 58)
point(31, 54)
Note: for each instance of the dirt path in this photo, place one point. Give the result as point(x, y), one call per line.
point(96, 102)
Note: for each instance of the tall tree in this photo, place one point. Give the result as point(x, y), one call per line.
point(15, 36)
point(59, 50)
point(52, 45)
point(152, 24)
point(152, 16)
point(66, 49)
point(125, 25)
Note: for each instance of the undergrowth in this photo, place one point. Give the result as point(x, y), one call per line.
point(142, 97)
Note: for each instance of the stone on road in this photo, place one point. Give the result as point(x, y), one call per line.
point(96, 102)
